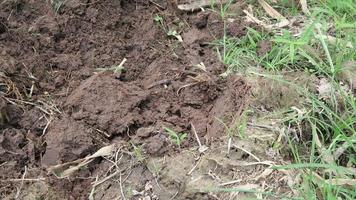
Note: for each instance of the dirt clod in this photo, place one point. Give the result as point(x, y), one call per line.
point(263, 47)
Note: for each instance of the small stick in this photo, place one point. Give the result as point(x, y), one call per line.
point(102, 132)
point(121, 190)
point(106, 178)
point(91, 195)
point(46, 127)
point(230, 182)
point(119, 67)
point(161, 82)
point(268, 163)
point(229, 145)
point(202, 148)
point(24, 179)
point(249, 153)
point(156, 4)
point(195, 166)
point(187, 85)
point(19, 191)
point(196, 135)
point(12, 101)
point(174, 196)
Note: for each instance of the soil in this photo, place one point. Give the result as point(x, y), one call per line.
point(58, 104)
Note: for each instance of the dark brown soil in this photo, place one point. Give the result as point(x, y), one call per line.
point(60, 108)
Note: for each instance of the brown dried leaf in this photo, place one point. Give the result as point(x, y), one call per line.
point(304, 5)
point(264, 174)
point(350, 182)
point(270, 10)
point(66, 169)
point(198, 4)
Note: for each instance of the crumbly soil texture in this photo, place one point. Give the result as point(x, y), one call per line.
point(64, 95)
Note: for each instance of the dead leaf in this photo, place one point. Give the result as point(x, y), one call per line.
point(326, 156)
point(198, 4)
point(270, 10)
point(274, 14)
point(338, 182)
point(246, 187)
point(264, 174)
point(104, 151)
point(304, 6)
point(325, 89)
point(252, 18)
point(340, 150)
point(66, 169)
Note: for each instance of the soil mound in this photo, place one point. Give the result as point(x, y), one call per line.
point(60, 107)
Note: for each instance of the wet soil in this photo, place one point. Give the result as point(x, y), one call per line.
point(58, 104)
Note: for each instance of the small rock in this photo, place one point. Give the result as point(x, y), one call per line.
point(155, 145)
point(144, 132)
point(146, 198)
point(201, 20)
point(67, 140)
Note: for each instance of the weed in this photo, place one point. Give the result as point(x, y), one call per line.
point(170, 32)
point(159, 20)
point(173, 33)
point(116, 69)
point(138, 153)
point(324, 149)
point(57, 4)
point(237, 128)
point(176, 138)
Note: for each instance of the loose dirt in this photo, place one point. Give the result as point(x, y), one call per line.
point(58, 104)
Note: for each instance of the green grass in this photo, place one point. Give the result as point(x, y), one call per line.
point(323, 150)
point(57, 5)
point(176, 138)
point(309, 51)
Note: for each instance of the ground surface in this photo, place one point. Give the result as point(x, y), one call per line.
point(62, 102)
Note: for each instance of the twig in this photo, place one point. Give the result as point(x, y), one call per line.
point(156, 4)
point(268, 163)
point(102, 132)
point(119, 67)
point(121, 190)
point(23, 177)
point(195, 166)
point(196, 135)
point(230, 182)
point(91, 195)
point(229, 145)
point(161, 82)
point(257, 21)
point(249, 153)
point(46, 127)
point(187, 85)
point(12, 101)
point(202, 148)
point(174, 196)
point(106, 178)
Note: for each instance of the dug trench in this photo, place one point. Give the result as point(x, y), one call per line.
point(62, 98)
